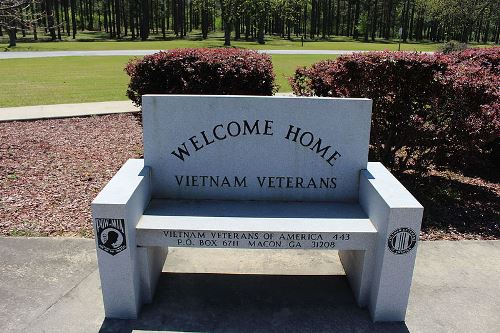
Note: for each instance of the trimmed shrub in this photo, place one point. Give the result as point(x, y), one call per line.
point(428, 109)
point(452, 46)
point(487, 58)
point(201, 71)
point(402, 88)
point(469, 112)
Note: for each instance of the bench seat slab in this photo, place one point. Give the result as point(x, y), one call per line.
point(255, 224)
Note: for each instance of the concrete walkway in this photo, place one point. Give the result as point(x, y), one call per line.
point(65, 110)
point(47, 54)
point(71, 110)
point(52, 285)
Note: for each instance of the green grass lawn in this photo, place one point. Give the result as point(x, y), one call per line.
point(41, 81)
point(98, 41)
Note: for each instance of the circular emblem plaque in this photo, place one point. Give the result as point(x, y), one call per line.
point(402, 240)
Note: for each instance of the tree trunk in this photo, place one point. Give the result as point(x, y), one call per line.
point(175, 16)
point(145, 20)
point(324, 26)
point(50, 19)
point(183, 16)
point(204, 22)
point(367, 23)
point(82, 20)
point(66, 16)
point(304, 33)
point(227, 33)
point(23, 25)
point(260, 30)
point(56, 7)
point(374, 19)
point(91, 15)
point(168, 8)
point(356, 20)
point(12, 36)
point(406, 21)
point(99, 22)
point(227, 23)
point(331, 8)
point(237, 29)
point(388, 20)
point(349, 27)
point(411, 31)
point(163, 13)
point(111, 18)
point(118, 19)
point(105, 10)
point(497, 31)
point(337, 19)
point(131, 13)
point(247, 28)
point(312, 32)
point(35, 22)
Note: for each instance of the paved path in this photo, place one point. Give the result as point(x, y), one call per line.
point(65, 110)
point(52, 285)
point(45, 54)
point(71, 110)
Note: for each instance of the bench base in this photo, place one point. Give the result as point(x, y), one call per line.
point(376, 238)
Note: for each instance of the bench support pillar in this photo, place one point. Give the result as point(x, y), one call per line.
point(151, 260)
point(381, 276)
point(358, 267)
point(128, 273)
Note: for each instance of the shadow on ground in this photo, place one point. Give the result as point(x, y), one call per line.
point(252, 303)
point(456, 207)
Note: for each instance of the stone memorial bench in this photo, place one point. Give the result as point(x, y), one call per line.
point(256, 173)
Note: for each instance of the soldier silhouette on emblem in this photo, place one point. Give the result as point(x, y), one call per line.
point(111, 241)
point(111, 238)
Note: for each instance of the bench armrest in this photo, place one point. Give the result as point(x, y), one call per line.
point(126, 195)
point(124, 183)
point(386, 201)
point(377, 180)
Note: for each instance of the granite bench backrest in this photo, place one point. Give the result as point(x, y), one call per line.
point(255, 148)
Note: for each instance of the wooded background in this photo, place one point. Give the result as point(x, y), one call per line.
point(415, 20)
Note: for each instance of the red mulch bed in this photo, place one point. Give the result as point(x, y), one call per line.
point(50, 171)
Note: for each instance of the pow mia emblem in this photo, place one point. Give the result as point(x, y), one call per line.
point(111, 235)
point(402, 240)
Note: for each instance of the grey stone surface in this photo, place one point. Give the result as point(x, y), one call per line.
point(263, 147)
point(454, 290)
point(35, 273)
point(455, 287)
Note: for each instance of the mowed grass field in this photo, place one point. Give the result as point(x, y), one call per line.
point(95, 41)
point(42, 81)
